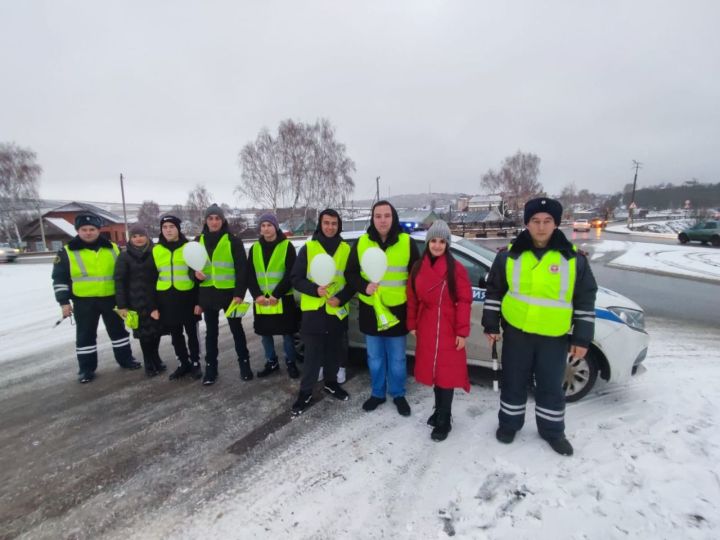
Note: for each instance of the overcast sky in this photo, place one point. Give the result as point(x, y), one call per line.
point(428, 95)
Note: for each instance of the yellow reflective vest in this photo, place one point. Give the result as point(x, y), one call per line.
point(92, 272)
point(220, 270)
point(392, 289)
point(268, 278)
point(540, 293)
point(312, 303)
point(172, 269)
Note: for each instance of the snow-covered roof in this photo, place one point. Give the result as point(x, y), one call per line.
point(87, 207)
point(62, 224)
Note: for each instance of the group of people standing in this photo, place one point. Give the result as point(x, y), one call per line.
point(541, 285)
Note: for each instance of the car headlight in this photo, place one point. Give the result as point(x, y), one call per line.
point(632, 317)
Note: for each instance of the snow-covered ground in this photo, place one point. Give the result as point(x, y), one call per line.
point(645, 463)
point(683, 261)
point(645, 467)
point(655, 229)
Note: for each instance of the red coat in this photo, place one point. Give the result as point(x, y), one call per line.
point(438, 321)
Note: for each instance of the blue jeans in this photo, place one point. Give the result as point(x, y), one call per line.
point(268, 343)
point(388, 365)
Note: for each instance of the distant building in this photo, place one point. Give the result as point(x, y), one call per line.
point(59, 225)
point(484, 202)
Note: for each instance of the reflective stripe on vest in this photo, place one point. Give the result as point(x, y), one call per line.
point(92, 272)
point(313, 303)
point(392, 289)
point(172, 269)
point(220, 271)
point(540, 293)
point(268, 278)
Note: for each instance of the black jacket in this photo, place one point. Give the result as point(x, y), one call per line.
point(218, 299)
point(367, 318)
point(583, 296)
point(176, 307)
point(135, 280)
point(62, 282)
point(319, 321)
point(289, 321)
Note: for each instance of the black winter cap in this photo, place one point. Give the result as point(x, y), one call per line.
point(169, 218)
point(543, 204)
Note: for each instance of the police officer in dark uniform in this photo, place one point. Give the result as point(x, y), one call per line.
point(83, 273)
point(542, 290)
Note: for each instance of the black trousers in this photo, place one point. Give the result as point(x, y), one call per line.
point(211, 336)
point(321, 351)
point(186, 351)
point(524, 355)
point(87, 313)
point(150, 347)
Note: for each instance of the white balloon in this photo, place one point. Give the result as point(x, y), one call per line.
point(322, 269)
point(374, 264)
point(195, 255)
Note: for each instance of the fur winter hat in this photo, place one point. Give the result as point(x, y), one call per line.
point(543, 204)
point(439, 229)
point(88, 218)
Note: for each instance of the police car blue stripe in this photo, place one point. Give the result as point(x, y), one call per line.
point(608, 316)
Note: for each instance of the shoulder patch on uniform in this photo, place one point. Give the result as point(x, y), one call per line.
point(57, 259)
point(583, 252)
point(501, 249)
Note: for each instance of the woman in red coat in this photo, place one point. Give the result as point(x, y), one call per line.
point(438, 315)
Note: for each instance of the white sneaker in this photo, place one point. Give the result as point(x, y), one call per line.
point(341, 375)
point(320, 375)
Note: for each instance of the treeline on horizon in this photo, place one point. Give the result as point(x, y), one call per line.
point(672, 196)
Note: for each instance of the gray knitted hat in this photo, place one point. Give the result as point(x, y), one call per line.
point(439, 229)
point(215, 210)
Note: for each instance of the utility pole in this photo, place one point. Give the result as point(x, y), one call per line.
point(42, 226)
point(377, 189)
point(122, 192)
point(632, 206)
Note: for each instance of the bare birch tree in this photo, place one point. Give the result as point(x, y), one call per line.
point(263, 180)
point(198, 201)
point(516, 180)
point(19, 180)
point(304, 165)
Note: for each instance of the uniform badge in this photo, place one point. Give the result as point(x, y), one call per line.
point(554, 269)
point(57, 259)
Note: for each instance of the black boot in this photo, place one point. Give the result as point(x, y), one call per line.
point(149, 353)
point(195, 370)
point(246, 373)
point(159, 364)
point(211, 373)
point(270, 368)
point(443, 421)
point(432, 420)
point(293, 371)
point(303, 401)
point(183, 369)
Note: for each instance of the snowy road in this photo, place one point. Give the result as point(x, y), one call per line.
point(128, 457)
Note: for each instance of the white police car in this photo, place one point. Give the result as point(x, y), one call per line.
point(616, 353)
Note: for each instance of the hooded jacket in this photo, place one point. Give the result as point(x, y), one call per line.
point(583, 295)
point(219, 299)
point(319, 321)
point(368, 321)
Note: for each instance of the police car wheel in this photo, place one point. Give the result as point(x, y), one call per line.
point(580, 377)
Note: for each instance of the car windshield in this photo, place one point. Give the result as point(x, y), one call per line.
point(488, 254)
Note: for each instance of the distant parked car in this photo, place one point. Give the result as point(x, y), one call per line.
point(704, 232)
point(7, 252)
point(581, 225)
point(598, 223)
